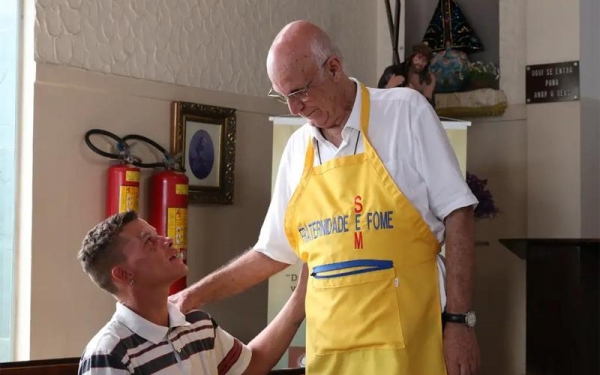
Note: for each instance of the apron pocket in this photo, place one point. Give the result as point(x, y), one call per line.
point(353, 305)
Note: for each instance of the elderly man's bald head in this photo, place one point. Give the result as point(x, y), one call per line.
point(305, 69)
point(298, 41)
point(297, 48)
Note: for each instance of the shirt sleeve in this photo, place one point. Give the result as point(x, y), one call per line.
point(272, 240)
point(233, 357)
point(101, 364)
point(437, 164)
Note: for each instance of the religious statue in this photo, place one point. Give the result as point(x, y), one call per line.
point(449, 29)
point(450, 37)
point(419, 76)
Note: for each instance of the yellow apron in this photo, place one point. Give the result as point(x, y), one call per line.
point(373, 303)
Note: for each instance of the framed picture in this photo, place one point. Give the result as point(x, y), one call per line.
point(203, 136)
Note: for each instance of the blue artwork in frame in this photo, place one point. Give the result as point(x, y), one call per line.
point(204, 136)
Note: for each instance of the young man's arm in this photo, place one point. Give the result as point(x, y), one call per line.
point(268, 347)
point(249, 269)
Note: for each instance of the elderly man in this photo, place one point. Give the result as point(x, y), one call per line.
point(366, 193)
point(147, 335)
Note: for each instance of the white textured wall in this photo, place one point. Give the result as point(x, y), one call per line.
point(213, 44)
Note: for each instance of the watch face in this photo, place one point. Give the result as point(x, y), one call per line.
point(471, 319)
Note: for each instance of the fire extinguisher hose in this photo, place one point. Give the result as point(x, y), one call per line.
point(168, 163)
point(122, 146)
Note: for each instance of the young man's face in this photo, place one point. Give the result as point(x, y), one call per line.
point(150, 258)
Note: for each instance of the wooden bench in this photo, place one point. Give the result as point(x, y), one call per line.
point(69, 366)
point(60, 366)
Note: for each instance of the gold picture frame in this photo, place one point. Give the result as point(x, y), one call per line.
point(203, 137)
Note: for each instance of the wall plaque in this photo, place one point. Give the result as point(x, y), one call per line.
point(556, 82)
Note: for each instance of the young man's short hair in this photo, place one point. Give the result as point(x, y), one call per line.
point(101, 249)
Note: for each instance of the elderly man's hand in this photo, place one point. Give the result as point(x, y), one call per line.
point(183, 300)
point(461, 350)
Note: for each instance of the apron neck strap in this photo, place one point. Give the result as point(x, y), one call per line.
point(365, 108)
point(365, 111)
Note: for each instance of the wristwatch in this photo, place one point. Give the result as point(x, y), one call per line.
point(469, 319)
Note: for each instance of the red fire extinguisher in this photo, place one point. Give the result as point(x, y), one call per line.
point(168, 211)
point(123, 187)
point(168, 200)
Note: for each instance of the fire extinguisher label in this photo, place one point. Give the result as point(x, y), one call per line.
point(129, 198)
point(181, 189)
point(132, 176)
point(177, 228)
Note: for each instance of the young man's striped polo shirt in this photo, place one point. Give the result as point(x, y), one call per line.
point(193, 344)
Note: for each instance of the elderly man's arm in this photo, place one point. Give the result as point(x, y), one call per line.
point(460, 260)
point(268, 347)
point(451, 200)
point(460, 343)
point(249, 269)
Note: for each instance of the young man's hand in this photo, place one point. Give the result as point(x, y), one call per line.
point(302, 280)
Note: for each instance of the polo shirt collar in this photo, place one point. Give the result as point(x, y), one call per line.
point(146, 329)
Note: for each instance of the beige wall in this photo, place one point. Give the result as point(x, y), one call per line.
point(554, 165)
point(563, 138)
point(69, 195)
point(590, 118)
point(500, 278)
point(552, 31)
point(513, 49)
point(497, 151)
point(553, 130)
point(541, 162)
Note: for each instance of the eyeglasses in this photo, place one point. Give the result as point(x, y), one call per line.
point(300, 94)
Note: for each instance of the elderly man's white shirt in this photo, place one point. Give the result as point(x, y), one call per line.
point(413, 146)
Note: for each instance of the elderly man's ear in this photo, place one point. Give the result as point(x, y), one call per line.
point(334, 67)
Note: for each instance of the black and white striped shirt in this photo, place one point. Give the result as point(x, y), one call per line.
point(193, 344)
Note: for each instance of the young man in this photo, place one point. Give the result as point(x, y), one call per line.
point(147, 335)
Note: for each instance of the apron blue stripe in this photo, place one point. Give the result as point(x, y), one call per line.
point(364, 265)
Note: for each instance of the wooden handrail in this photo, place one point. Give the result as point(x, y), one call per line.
point(58, 366)
point(69, 366)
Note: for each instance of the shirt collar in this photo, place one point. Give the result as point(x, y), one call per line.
point(146, 329)
point(353, 121)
